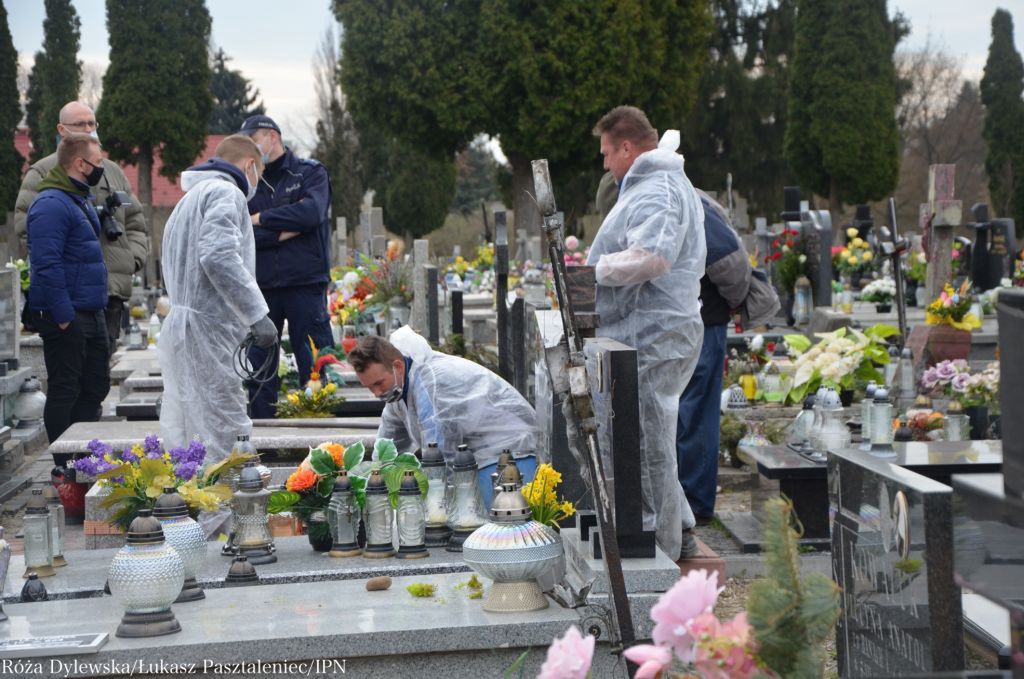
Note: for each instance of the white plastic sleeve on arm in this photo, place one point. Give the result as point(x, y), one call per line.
point(630, 267)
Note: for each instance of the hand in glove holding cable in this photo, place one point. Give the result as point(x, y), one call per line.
point(264, 333)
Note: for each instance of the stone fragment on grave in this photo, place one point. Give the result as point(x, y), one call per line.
point(340, 242)
point(363, 234)
point(420, 258)
point(892, 540)
point(941, 213)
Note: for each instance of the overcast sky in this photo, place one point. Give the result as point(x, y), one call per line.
point(272, 42)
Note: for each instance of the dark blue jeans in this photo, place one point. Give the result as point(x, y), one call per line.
point(305, 308)
point(697, 435)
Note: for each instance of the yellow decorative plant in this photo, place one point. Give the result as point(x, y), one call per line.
point(544, 502)
point(953, 308)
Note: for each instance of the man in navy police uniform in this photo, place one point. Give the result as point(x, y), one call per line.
point(291, 220)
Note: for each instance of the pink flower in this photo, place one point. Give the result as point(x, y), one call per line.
point(578, 256)
point(572, 243)
point(568, 657)
point(690, 597)
point(652, 660)
point(725, 651)
point(567, 258)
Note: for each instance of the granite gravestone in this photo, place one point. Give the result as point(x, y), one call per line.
point(891, 555)
point(995, 246)
point(501, 269)
point(433, 313)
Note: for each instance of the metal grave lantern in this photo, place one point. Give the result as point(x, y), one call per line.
point(411, 519)
point(465, 502)
point(433, 467)
point(56, 524)
point(343, 518)
point(146, 577)
point(833, 434)
point(512, 550)
point(183, 533)
point(243, 446)
point(252, 531)
point(504, 457)
point(36, 527)
point(378, 518)
point(241, 573)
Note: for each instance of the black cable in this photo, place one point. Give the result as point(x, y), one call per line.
point(261, 375)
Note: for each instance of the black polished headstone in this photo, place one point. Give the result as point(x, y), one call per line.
point(501, 269)
point(456, 304)
point(517, 345)
point(1010, 306)
point(994, 248)
point(892, 541)
point(612, 367)
point(433, 314)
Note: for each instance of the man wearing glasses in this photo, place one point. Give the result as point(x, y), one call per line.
point(124, 254)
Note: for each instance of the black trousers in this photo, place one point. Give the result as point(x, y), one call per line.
point(77, 364)
point(114, 314)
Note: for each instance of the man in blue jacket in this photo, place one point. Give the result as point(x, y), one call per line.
point(291, 219)
point(68, 293)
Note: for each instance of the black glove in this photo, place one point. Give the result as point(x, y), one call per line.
point(264, 333)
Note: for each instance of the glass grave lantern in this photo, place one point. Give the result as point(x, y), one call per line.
point(433, 467)
point(146, 577)
point(892, 367)
point(36, 527)
point(343, 518)
point(956, 425)
point(512, 550)
point(465, 502)
point(881, 425)
point(908, 383)
point(800, 430)
point(56, 524)
point(504, 457)
point(243, 445)
point(252, 530)
point(183, 533)
point(866, 406)
point(411, 518)
point(819, 397)
point(803, 302)
point(378, 517)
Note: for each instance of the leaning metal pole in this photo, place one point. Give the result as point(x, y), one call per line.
point(894, 249)
point(621, 625)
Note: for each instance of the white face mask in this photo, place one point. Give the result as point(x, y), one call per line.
point(253, 183)
point(394, 393)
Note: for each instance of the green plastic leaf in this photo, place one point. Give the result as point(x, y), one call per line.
point(354, 455)
point(325, 486)
point(120, 470)
point(322, 463)
point(408, 460)
point(281, 501)
point(881, 331)
point(359, 489)
point(385, 450)
point(392, 477)
point(798, 343)
point(518, 668)
point(364, 469)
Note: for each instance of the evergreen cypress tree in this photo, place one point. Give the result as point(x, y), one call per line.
point(10, 114)
point(56, 75)
point(337, 147)
point(1001, 90)
point(156, 92)
point(234, 98)
point(842, 139)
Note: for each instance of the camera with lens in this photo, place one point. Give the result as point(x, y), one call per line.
point(112, 228)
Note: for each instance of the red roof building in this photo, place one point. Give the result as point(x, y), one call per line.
point(166, 193)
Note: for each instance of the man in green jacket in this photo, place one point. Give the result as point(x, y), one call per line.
point(123, 255)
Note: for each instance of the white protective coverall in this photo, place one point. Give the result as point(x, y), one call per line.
point(209, 270)
point(649, 256)
point(452, 401)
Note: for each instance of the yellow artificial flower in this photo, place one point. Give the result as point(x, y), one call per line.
point(851, 232)
point(868, 255)
point(853, 261)
point(331, 388)
point(568, 508)
point(857, 242)
point(293, 398)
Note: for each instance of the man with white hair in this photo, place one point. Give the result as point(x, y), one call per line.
point(125, 253)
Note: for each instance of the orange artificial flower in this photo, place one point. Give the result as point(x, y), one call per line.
point(336, 451)
point(302, 479)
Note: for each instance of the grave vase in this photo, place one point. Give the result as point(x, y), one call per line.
point(978, 415)
point(911, 293)
point(318, 532)
point(883, 308)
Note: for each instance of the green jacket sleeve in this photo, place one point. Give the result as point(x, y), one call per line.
point(134, 222)
point(26, 194)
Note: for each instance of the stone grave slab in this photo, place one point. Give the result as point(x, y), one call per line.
point(393, 634)
point(892, 544)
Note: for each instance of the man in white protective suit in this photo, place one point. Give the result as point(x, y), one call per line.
point(209, 264)
point(432, 396)
point(649, 258)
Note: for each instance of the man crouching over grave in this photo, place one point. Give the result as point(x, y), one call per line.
point(432, 396)
point(649, 258)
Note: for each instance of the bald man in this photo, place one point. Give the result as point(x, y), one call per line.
point(124, 255)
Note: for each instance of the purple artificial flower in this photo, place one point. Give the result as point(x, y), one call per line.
point(151, 445)
point(92, 465)
point(945, 371)
point(186, 470)
point(960, 382)
point(129, 455)
point(98, 448)
point(929, 379)
point(196, 451)
point(178, 455)
point(961, 365)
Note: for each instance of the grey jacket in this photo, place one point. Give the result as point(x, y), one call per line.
point(124, 256)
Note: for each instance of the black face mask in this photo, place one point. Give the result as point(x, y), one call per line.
point(94, 177)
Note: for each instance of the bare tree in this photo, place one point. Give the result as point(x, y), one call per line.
point(91, 90)
point(940, 118)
